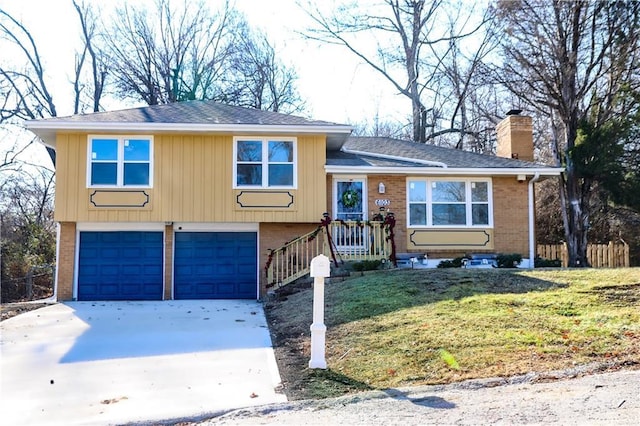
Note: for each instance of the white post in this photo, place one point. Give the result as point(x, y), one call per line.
point(320, 268)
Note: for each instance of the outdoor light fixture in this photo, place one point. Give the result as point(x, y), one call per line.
point(381, 188)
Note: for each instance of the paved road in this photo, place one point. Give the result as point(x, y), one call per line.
point(600, 399)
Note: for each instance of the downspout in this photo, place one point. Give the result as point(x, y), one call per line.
point(532, 237)
point(57, 266)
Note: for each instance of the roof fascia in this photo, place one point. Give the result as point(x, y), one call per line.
point(185, 127)
point(46, 130)
point(543, 171)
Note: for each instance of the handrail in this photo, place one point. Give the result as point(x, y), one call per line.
point(292, 261)
point(350, 240)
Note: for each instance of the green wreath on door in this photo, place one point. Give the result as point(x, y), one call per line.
point(350, 198)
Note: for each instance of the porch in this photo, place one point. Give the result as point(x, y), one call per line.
point(340, 240)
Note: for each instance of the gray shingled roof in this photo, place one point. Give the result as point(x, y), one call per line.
point(191, 116)
point(193, 112)
point(404, 151)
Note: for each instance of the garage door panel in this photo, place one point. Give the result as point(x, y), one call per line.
point(153, 270)
point(109, 270)
point(132, 253)
point(132, 270)
point(225, 269)
point(227, 289)
point(246, 288)
point(122, 265)
point(244, 252)
point(204, 271)
point(215, 265)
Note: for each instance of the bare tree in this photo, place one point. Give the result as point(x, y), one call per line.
point(472, 107)
point(410, 46)
point(24, 90)
point(88, 23)
point(260, 79)
point(167, 54)
point(171, 53)
point(573, 61)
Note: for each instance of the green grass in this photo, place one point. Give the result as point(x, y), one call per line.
point(406, 327)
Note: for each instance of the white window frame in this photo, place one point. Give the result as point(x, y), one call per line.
point(468, 202)
point(120, 160)
point(265, 161)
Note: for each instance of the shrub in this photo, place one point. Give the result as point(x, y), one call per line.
point(547, 263)
point(366, 265)
point(509, 260)
point(453, 263)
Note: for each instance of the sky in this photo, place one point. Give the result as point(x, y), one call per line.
point(335, 85)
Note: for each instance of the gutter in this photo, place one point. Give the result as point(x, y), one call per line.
point(394, 157)
point(185, 127)
point(442, 171)
point(55, 275)
point(532, 237)
point(46, 130)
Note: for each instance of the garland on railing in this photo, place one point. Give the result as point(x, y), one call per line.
point(361, 224)
point(390, 224)
point(312, 236)
point(326, 221)
point(267, 265)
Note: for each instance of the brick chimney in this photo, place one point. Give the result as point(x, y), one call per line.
point(515, 136)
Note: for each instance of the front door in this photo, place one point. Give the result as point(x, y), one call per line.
point(350, 205)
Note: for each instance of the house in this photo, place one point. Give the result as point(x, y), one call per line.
point(191, 200)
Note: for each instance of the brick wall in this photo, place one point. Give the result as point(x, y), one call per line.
point(511, 215)
point(515, 137)
point(510, 212)
point(396, 193)
point(66, 261)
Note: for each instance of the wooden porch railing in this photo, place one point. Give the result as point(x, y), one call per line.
point(350, 241)
point(612, 255)
point(292, 261)
point(360, 240)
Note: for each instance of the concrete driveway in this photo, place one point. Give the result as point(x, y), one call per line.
point(119, 362)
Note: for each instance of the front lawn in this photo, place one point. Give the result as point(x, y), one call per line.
point(411, 327)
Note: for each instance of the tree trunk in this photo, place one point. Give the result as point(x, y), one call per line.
point(577, 206)
point(29, 284)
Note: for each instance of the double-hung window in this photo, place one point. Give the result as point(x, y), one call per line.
point(264, 162)
point(449, 203)
point(120, 161)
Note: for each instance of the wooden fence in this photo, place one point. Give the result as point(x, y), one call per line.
point(612, 255)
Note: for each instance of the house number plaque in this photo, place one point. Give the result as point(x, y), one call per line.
point(382, 203)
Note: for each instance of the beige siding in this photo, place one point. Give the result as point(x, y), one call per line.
point(192, 182)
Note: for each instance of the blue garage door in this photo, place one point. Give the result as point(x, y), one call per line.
point(215, 265)
point(120, 266)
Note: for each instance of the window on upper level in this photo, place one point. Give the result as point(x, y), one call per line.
point(265, 162)
point(449, 203)
point(120, 161)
